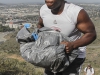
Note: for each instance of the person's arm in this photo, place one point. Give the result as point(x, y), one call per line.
point(84, 73)
point(85, 70)
point(85, 25)
point(93, 71)
point(40, 23)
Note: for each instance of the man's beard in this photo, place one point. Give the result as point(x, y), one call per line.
point(56, 10)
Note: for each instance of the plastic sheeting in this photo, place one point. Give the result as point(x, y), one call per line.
point(46, 51)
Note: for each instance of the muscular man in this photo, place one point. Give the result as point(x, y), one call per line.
point(71, 20)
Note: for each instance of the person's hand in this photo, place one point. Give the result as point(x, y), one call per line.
point(68, 46)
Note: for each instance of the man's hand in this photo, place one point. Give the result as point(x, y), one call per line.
point(68, 46)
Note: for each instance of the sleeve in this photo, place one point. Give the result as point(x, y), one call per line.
point(92, 71)
point(85, 69)
point(76, 13)
point(40, 13)
point(73, 11)
point(42, 10)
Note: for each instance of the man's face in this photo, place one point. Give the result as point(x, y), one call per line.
point(53, 4)
point(89, 66)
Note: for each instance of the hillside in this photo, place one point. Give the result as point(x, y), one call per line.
point(11, 63)
point(93, 51)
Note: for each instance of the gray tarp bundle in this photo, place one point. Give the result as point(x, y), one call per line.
point(46, 51)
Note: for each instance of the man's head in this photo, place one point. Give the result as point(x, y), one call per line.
point(89, 65)
point(54, 4)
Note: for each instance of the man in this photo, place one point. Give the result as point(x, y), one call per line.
point(89, 70)
point(71, 20)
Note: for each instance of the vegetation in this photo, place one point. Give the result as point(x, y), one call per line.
point(11, 63)
point(5, 28)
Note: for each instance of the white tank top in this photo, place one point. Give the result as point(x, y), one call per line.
point(65, 22)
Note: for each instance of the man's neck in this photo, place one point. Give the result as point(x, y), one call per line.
point(59, 10)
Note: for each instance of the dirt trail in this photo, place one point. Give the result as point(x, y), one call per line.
point(14, 56)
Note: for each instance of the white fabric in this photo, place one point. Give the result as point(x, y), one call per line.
point(64, 22)
point(89, 72)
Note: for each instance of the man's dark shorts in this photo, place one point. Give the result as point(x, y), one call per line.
point(73, 69)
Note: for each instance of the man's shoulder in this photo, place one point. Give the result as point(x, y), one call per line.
point(72, 6)
point(92, 68)
point(43, 7)
point(85, 68)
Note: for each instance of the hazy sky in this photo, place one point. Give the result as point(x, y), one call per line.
point(25, 1)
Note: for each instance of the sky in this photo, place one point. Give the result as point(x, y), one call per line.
point(33, 1)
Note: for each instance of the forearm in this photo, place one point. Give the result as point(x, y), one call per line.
point(40, 26)
point(40, 23)
point(84, 40)
point(85, 73)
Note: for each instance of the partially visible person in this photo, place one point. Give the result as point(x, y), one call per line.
point(89, 70)
point(71, 20)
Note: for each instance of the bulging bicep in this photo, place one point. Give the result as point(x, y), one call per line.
point(84, 23)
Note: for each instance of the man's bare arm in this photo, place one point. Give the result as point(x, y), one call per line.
point(40, 23)
point(86, 26)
